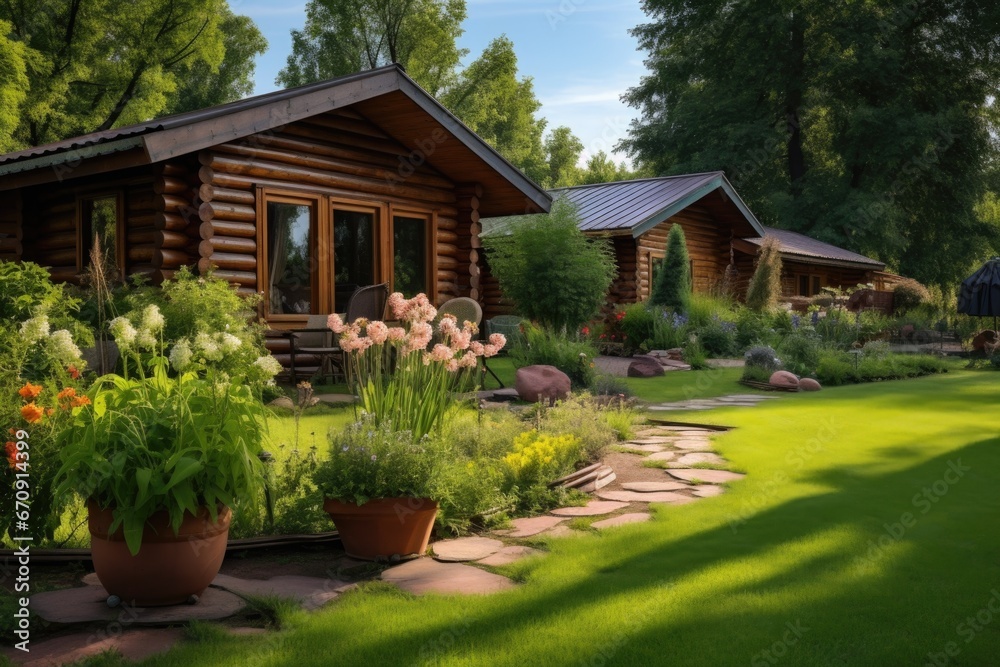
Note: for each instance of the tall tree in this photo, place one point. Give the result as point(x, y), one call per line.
point(500, 107)
point(602, 169)
point(102, 64)
point(13, 85)
point(562, 152)
point(346, 36)
point(204, 86)
point(863, 124)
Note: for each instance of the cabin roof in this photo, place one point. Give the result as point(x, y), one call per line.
point(386, 96)
point(639, 205)
point(799, 247)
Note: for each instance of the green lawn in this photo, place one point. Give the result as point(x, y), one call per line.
point(865, 534)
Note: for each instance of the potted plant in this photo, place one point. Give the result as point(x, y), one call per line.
point(161, 459)
point(379, 487)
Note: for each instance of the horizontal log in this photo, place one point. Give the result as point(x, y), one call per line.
point(141, 253)
point(147, 270)
point(208, 192)
point(212, 210)
point(10, 246)
point(447, 276)
point(446, 262)
point(227, 244)
point(140, 201)
point(60, 257)
point(175, 222)
point(228, 261)
point(54, 207)
point(168, 239)
point(446, 236)
point(173, 169)
point(63, 273)
point(314, 131)
point(447, 288)
point(170, 185)
point(246, 292)
point(60, 241)
point(447, 223)
point(170, 203)
point(145, 236)
point(43, 225)
point(140, 221)
point(446, 250)
point(349, 125)
point(209, 229)
point(245, 278)
point(279, 171)
point(166, 258)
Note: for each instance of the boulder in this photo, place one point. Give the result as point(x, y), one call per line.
point(535, 383)
point(984, 341)
point(808, 384)
point(784, 379)
point(643, 366)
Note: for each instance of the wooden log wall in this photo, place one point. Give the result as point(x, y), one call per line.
point(624, 288)
point(468, 245)
point(11, 231)
point(341, 155)
point(491, 297)
point(708, 247)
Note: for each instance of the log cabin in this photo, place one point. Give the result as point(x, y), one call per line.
point(300, 195)
point(721, 232)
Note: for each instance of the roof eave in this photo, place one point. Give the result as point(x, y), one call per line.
point(74, 156)
point(719, 182)
point(825, 261)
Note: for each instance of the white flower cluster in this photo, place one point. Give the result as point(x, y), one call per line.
point(35, 329)
point(269, 365)
point(146, 337)
point(62, 347)
point(206, 346)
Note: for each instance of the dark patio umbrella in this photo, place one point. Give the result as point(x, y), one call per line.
point(980, 293)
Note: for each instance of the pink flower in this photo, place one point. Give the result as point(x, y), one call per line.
point(470, 327)
point(350, 342)
point(468, 360)
point(452, 366)
point(490, 350)
point(461, 340)
point(448, 324)
point(419, 337)
point(399, 305)
point(335, 323)
point(476, 347)
point(498, 340)
point(378, 332)
point(441, 353)
point(396, 334)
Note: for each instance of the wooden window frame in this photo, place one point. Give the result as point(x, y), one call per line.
point(430, 234)
point(320, 283)
point(810, 277)
point(83, 242)
point(322, 240)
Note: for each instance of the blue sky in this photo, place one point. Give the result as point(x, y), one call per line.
point(578, 52)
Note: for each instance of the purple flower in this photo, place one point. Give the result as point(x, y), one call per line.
point(796, 321)
point(815, 317)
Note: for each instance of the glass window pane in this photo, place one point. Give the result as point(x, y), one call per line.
point(101, 224)
point(804, 286)
point(290, 284)
point(353, 254)
point(816, 286)
point(409, 238)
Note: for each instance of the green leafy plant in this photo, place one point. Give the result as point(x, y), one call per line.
point(551, 271)
point(761, 362)
point(672, 286)
point(546, 347)
point(372, 459)
point(909, 294)
point(537, 459)
point(401, 376)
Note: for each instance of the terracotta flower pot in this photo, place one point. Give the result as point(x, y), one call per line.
point(169, 568)
point(384, 527)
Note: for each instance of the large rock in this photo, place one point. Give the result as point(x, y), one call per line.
point(535, 383)
point(985, 341)
point(784, 379)
point(644, 367)
point(808, 384)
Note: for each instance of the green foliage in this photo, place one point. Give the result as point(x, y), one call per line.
point(753, 329)
point(765, 285)
point(161, 443)
point(535, 460)
point(602, 169)
point(346, 37)
point(550, 270)
point(585, 418)
point(672, 288)
point(545, 347)
point(13, 85)
point(873, 365)
point(857, 130)
point(800, 352)
point(761, 362)
point(562, 150)
point(98, 65)
point(838, 329)
point(638, 325)
point(371, 460)
point(908, 295)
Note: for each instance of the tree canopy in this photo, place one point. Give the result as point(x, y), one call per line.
point(867, 125)
point(101, 64)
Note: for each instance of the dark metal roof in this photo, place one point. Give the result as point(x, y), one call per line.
point(800, 245)
point(641, 204)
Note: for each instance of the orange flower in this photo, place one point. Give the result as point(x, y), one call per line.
point(66, 394)
point(73, 372)
point(50, 411)
point(11, 450)
point(31, 413)
point(80, 401)
point(30, 392)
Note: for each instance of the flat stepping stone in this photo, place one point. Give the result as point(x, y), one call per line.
point(621, 520)
point(89, 603)
point(709, 476)
point(653, 487)
point(562, 530)
point(529, 526)
point(626, 497)
point(692, 445)
point(708, 490)
point(642, 449)
point(310, 592)
point(658, 440)
point(661, 456)
point(465, 549)
point(426, 575)
point(593, 508)
point(509, 555)
point(337, 399)
point(134, 645)
point(701, 457)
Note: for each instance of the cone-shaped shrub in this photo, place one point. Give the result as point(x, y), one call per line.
point(765, 286)
point(672, 283)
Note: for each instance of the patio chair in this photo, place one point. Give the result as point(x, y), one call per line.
point(464, 309)
point(509, 326)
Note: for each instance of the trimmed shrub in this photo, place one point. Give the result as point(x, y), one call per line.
point(800, 352)
point(672, 287)
point(909, 294)
point(765, 285)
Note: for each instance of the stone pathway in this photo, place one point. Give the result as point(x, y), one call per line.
point(425, 575)
point(465, 549)
point(735, 400)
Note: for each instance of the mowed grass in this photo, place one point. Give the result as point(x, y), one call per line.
point(864, 534)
